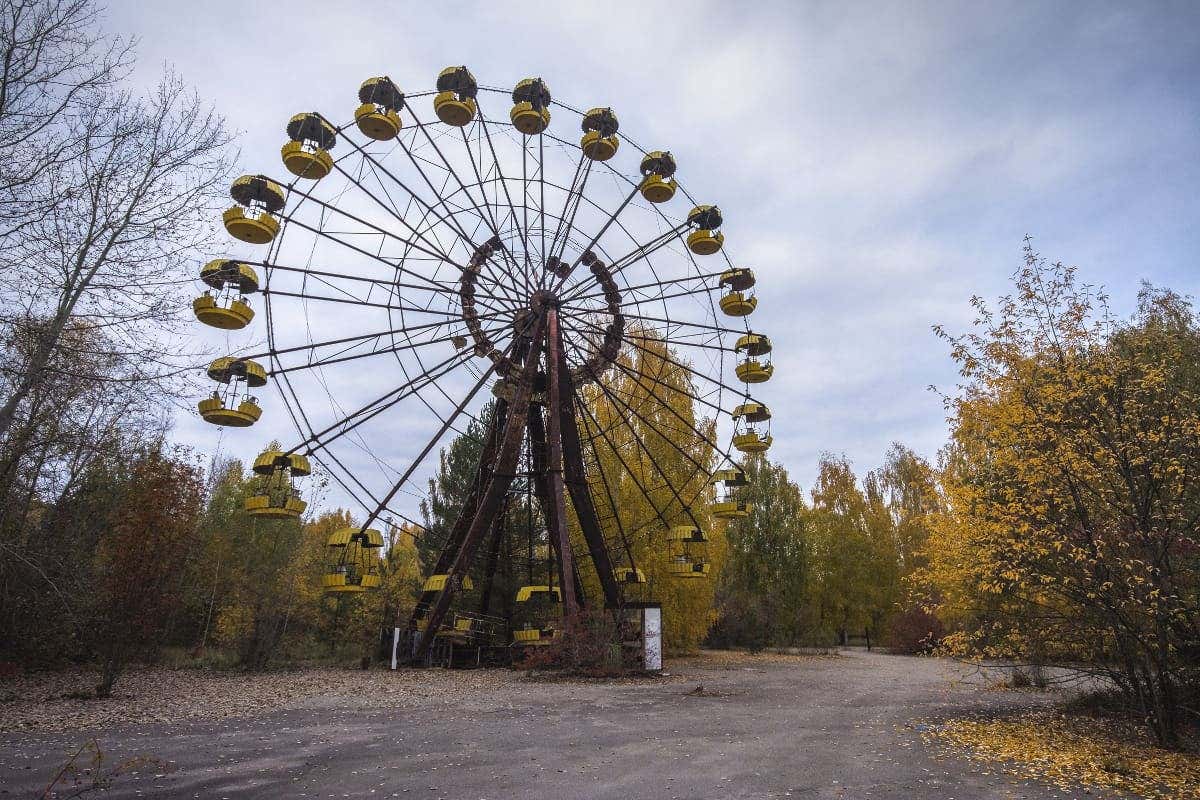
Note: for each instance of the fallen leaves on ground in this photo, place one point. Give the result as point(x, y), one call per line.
point(57, 701)
point(1072, 750)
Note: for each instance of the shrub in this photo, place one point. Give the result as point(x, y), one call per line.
point(913, 631)
point(589, 644)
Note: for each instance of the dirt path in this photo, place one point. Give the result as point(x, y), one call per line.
point(805, 727)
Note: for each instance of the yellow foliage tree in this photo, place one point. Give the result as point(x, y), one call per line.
point(1072, 508)
point(649, 463)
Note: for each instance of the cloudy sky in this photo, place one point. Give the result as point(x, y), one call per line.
point(877, 166)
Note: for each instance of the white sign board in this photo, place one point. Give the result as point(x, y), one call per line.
point(652, 636)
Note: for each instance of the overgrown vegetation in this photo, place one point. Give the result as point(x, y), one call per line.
point(1069, 530)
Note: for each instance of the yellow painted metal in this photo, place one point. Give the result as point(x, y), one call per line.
point(752, 411)
point(705, 216)
point(213, 410)
point(453, 111)
point(313, 128)
point(738, 304)
point(222, 272)
point(739, 279)
point(369, 538)
point(753, 344)
point(752, 442)
point(435, 583)
point(729, 509)
point(258, 191)
point(266, 462)
point(339, 583)
point(255, 229)
point(305, 161)
point(235, 317)
point(599, 148)
point(734, 476)
point(381, 91)
point(753, 371)
point(529, 120)
point(657, 189)
point(526, 593)
point(705, 242)
point(299, 465)
point(262, 505)
point(378, 122)
point(527, 635)
point(227, 368)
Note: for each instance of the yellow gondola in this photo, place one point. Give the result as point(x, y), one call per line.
point(687, 534)
point(378, 116)
point(747, 439)
point(739, 279)
point(530, 113)
point(306, 153)
point(687, 546)
point(751, 370)
point(242, 415)
point(463, 630)
point(752, 411)
point(534, 637)
point(730, 509)
point(353, 560)
point(230, 368)
point(270, 460)
point(527, 593)
point(706, 239)
point(454, 103)
point(436, 583)
point(658, 185)
point(276, 496)
point(258, 199)
point(227, 310)
point(600, 142)
point(266, 505)
point(234, 406)
point(752, 442)
point(728, 504)
point(733, 476)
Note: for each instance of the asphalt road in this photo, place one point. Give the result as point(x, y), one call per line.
point(843, 727)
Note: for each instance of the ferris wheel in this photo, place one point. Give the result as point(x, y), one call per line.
point(440, 249)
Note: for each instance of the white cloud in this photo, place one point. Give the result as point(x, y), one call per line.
point(876, 165)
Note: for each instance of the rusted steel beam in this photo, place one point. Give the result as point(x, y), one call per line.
point(482, 475)
point(489, 573)
point(577, 485)
point(493, 497)
point(554, 463)
point(541, 488)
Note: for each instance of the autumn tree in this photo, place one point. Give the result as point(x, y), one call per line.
point(763, 591)
point(1070, 534)
point(904, 501)
point(152, 528)
point(855, 580)
point(649, 462)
